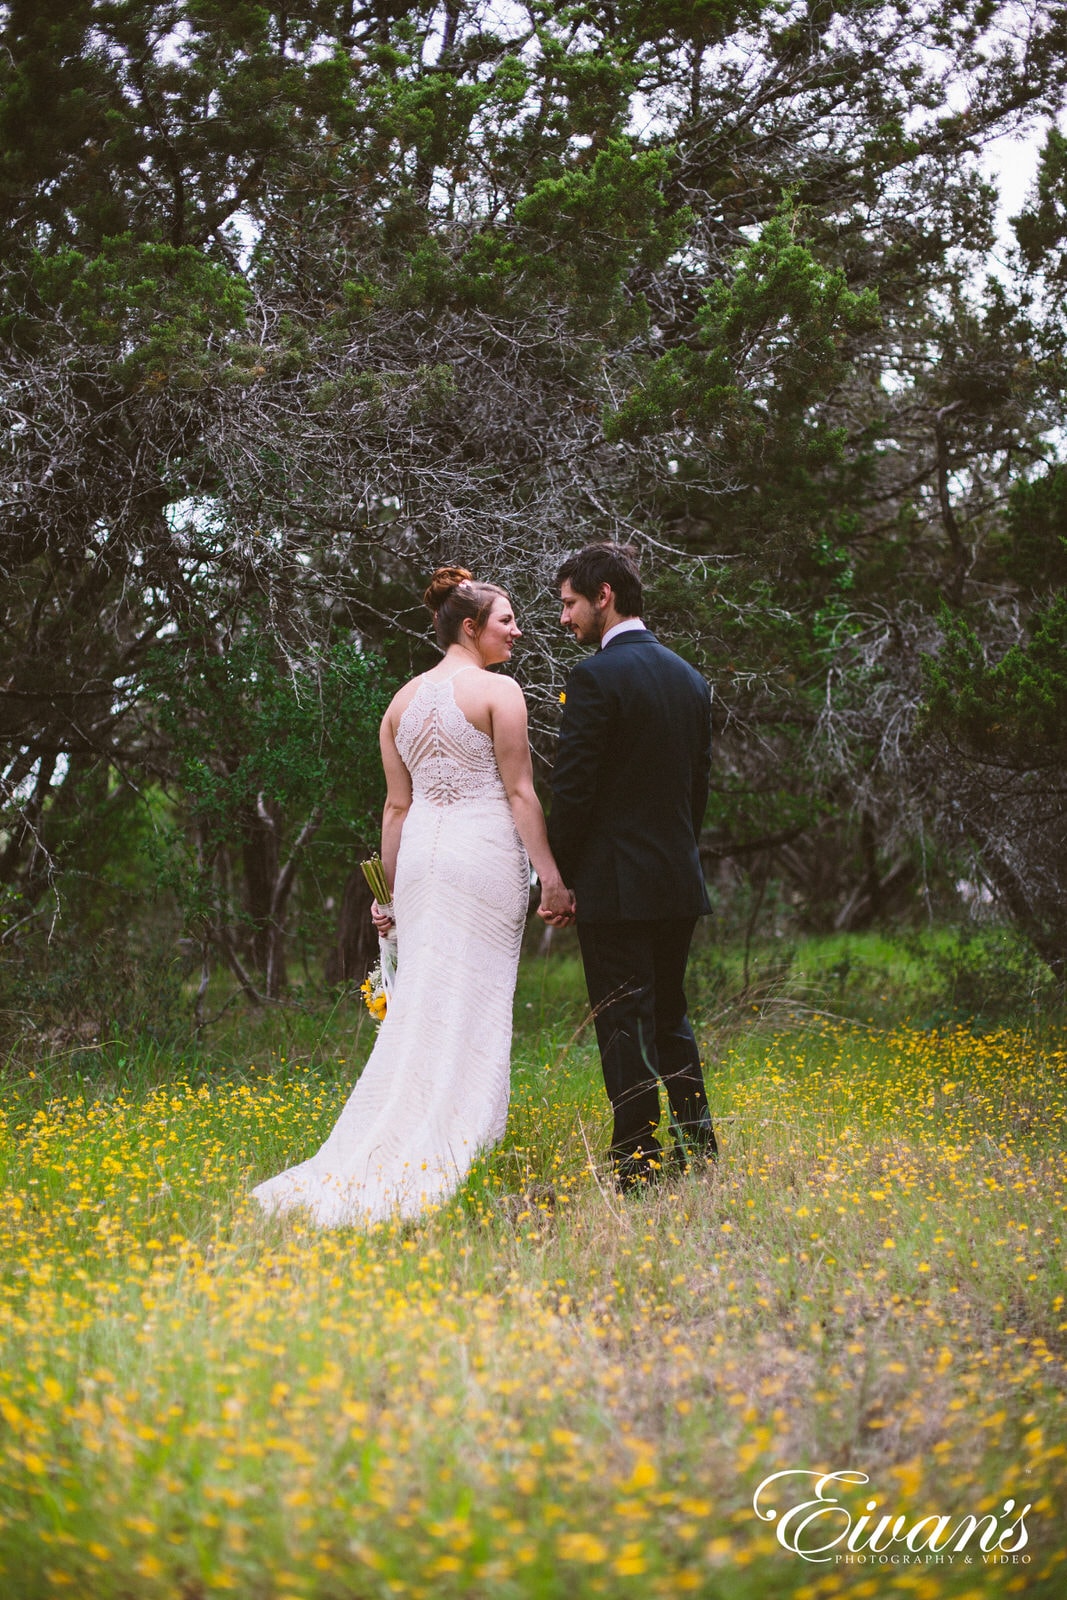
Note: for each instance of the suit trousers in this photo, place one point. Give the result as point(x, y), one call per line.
point(635, 974)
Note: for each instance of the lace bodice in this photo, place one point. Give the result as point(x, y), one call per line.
point(449, 759)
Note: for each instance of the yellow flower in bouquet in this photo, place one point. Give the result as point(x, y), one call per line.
point(373, 991)
point(378, 984)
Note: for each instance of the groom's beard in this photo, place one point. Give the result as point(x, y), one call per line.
point(589, 633)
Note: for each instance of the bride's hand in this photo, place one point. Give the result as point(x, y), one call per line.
point(382, 920)
point(557, 905)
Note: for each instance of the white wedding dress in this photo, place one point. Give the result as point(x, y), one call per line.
point(434, 1092)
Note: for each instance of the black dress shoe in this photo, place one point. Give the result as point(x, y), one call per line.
point(695, 1146)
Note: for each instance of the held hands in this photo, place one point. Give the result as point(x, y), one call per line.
point(557, 906)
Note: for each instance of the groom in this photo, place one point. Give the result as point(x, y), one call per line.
point(629, 789)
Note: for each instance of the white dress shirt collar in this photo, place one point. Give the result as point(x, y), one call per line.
point(627, 625)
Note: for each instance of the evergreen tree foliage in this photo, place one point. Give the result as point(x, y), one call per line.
point(269, 758)
point(298, 299)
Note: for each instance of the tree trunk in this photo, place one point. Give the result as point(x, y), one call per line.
point(260, 856)
point(870, 899)
point(355, 948)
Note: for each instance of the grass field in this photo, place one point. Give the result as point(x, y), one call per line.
point(545, 1390)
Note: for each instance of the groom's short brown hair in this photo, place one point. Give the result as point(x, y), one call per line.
point(614, 564)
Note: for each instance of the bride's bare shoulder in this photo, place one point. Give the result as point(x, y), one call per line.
point(505, 689)
point(507, 703)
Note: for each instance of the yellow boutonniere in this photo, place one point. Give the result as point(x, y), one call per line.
point(563, 697)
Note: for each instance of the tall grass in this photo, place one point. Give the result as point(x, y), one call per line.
point(542, 1389)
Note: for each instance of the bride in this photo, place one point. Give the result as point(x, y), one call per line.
point(461, 825)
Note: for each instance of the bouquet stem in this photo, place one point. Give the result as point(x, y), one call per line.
point(374, 873)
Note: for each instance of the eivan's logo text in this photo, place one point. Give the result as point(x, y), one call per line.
point(820, 1528)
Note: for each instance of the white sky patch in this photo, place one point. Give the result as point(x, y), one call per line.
point(1011, 163)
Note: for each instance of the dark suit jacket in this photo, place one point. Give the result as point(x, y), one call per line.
point(630, 784)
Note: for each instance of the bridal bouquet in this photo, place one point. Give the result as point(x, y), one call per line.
point(383, 976)
point(374, 996)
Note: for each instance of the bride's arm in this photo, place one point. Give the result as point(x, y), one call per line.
point(397, 799)
point(511, 746)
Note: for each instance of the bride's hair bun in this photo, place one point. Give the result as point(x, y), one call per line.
point(443, 583)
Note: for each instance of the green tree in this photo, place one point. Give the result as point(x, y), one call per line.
point(268, 754)
point(297, 299)
point(1002, 725)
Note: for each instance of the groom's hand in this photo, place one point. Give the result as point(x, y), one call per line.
point(557, 906)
